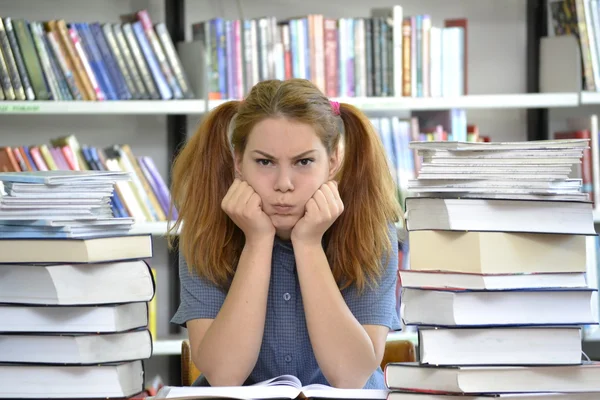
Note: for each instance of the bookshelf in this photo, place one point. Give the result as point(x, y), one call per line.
point(369, 104)
point(129, 107)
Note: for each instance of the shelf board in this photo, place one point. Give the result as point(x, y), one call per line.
point(476, 101)
point(169, 347)
point(367, 104)
point(590, 98)
point(158, 228)
point(128, 107)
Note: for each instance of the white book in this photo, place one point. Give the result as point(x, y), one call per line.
point(71, 382)
point(73, 319)
point(75, 349)
point(77, 284)
point(500, 346)
point(470, 308)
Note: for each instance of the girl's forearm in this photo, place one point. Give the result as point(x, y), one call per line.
point(342, 347)
point(230, 347)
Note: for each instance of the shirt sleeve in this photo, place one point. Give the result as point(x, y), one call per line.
point(199, 298)
point(376, 305)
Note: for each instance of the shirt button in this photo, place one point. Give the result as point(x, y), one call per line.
point(288, 358)
point(286, 296)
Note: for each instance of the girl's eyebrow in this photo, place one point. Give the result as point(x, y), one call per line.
point(267, 155)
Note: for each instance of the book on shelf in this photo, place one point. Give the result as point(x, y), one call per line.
point(384, 54)
point(133, 59)
point(145, 197)
point(75, 288)
point(501, 304)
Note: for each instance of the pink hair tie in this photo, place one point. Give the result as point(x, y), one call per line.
point(335, 106)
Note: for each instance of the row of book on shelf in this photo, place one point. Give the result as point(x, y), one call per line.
point(146, 197)
point(59, 60)
point(580, 18)
point(385, 54)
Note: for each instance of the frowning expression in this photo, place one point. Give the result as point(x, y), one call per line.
point(285, 162)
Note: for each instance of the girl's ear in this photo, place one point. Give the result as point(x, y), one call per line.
point(335, 161)
point(238, 165)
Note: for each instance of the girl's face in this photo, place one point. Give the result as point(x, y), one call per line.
point(285, 162)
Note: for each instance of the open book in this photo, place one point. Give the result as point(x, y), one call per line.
point(281, 387)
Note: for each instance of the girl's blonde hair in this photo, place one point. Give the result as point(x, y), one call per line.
point(204, 170)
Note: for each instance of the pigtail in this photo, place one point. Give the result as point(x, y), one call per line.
point(202, 173)
point(367, 189)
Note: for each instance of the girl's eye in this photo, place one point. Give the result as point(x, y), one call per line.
point(305, 161)
point(263, 161)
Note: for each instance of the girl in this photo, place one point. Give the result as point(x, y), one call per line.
point(288, 247)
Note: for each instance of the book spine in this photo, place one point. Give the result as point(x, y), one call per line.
point(32, 62)
point(140, 62)
point(114, 73)
point(51, 79)
point(119, 58)
point(130, 62)
point(174, 61)
point(5, 75)
point(62, 63)
point(161, 59)
point(96, 61)
point(369, 55)
point(61, 82)
point(18, 58)
point(75, 63)
point(406, 57)
point(76, 40)
point(161, 83)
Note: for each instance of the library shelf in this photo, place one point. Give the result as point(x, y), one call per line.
point(109, 107)
point(590, 98)
point(367, 104)
point(172, 346)
point(476, 101)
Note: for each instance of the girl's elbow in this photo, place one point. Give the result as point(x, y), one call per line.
point(217, 375)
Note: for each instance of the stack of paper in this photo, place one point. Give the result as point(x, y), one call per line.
point(523, 170)
point(60, 204)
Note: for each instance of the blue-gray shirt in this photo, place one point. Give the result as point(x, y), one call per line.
point(286, 347)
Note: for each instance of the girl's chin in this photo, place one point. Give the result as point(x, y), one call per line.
point(284, 222)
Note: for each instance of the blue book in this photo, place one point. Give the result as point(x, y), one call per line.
point(159, 79)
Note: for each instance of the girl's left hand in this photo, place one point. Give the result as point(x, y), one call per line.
point(321, 211)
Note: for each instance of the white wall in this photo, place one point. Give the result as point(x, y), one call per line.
point(496, 64)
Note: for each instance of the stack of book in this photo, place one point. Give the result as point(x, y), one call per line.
point(74, 289)
point(497, 285)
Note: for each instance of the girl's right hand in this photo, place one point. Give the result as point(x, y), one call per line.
point(244, 206)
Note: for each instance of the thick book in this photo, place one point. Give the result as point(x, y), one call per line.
point(281, 387)
point(79, 284)
point(93, 250)
point(470, 281)
point(71, 382)
point(513, 396)
point(500, 346)
point(496, 252)
point(497, 215)
point(73, 319)
point(472, 308)
point(75, 349)
point(493, 379)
